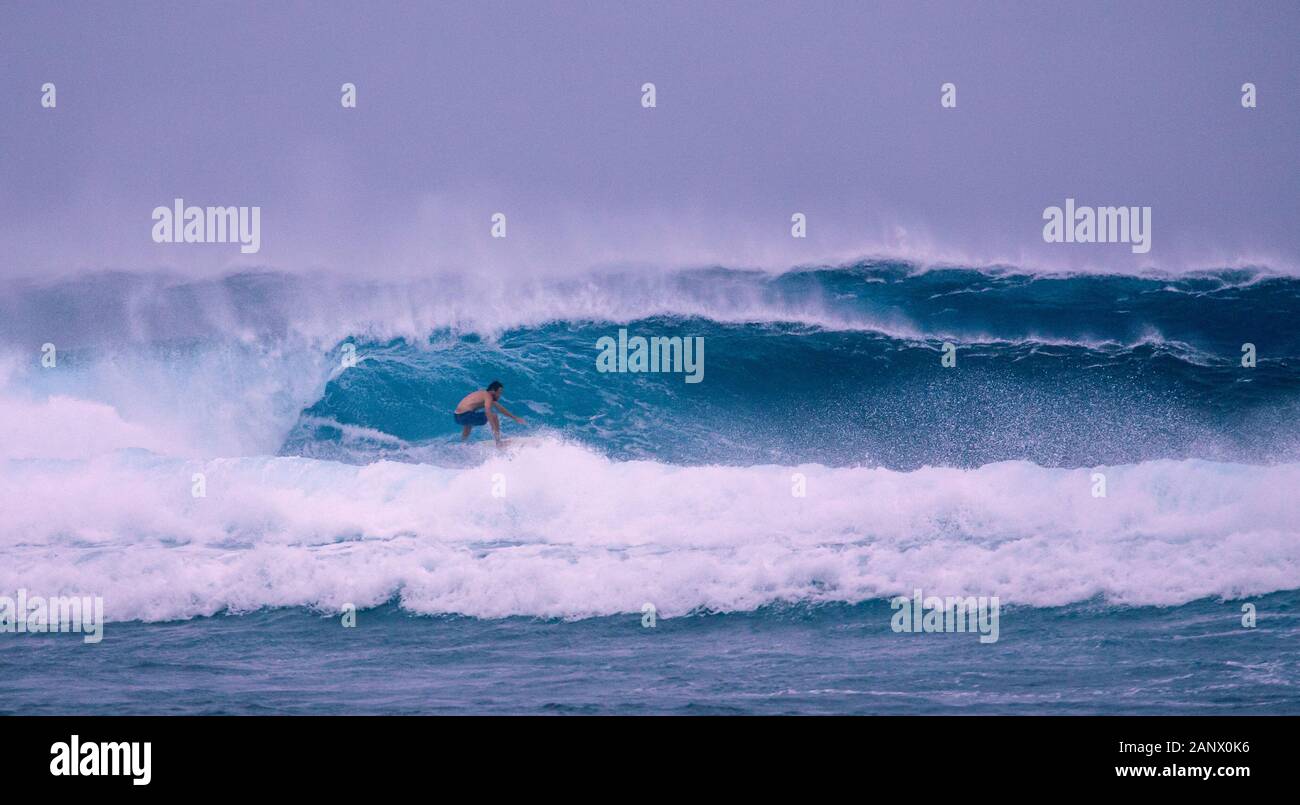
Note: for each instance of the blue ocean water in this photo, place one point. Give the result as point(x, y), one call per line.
point(833, 659)
point(827, 462)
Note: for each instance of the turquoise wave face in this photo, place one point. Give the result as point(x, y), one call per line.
point(1074, 371)
point(830, 366)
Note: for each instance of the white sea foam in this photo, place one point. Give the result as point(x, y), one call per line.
point(577, 535)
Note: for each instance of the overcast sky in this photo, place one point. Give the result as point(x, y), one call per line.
point(533, 109)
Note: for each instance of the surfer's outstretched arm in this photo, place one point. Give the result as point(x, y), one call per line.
point(506, 411)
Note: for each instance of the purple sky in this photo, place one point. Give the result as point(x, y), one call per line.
point(831, 109)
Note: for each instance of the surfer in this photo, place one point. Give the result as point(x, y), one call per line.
point(480, 408)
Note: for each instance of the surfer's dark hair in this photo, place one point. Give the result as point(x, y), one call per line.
point(494, 385)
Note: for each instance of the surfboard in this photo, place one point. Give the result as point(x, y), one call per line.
point(518, 442)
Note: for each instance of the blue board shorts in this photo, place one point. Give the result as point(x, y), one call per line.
point(474, 418)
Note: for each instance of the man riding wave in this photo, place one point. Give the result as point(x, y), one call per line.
point(480, 408)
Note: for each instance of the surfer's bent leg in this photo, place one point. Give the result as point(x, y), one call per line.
point(468, 421)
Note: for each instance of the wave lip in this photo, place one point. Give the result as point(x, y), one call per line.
point(574, 535)
point(897, 300)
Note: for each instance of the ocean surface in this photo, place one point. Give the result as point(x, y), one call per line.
point(208, 457)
